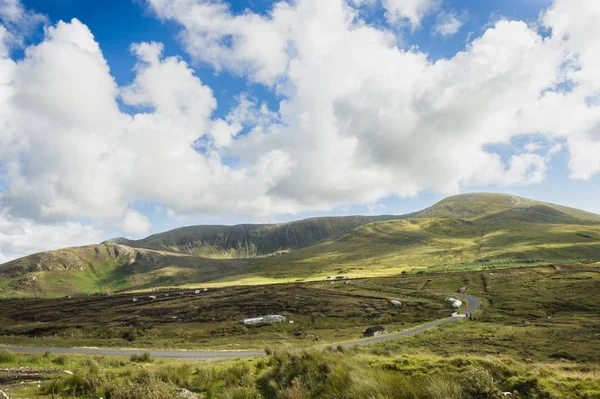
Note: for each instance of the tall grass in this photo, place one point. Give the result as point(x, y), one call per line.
point(7, 357)
point(328, 375)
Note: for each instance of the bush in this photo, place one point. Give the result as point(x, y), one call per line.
point(203, 379)
point(478, 383)
point(60, 360)
point(153, 389)
point(7, 357)
point(141, 357)
point(176, 374)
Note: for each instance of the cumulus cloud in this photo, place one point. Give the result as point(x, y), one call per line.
point(19, 237)
point(449, 23)
point(359, 118)
point(411, 11)
point(17, 20)
point(135, 223)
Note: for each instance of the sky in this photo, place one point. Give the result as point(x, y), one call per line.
point(127, 118)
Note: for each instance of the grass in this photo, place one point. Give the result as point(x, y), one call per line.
point(321, 313)
point(535, 336)
point(544, 311)
point(310, 374)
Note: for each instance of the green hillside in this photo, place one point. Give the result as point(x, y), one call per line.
point(470, 231)
point(478, 205)
point(250, 240)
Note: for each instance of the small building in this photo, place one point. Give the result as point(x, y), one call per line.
point(269, 319)
point(395, 302)
point(374, 331)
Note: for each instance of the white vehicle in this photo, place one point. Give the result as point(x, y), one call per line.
point(152, 297)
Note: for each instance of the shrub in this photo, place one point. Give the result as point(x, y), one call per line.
point(60, 360)
point(176, 374)
point(141, 357)
point(203, 379)
point(153, 389)
point(478, 383)
point(295, 391)
point(7, 357)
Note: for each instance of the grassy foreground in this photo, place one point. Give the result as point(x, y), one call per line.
point(536, 336)
point(329, 374)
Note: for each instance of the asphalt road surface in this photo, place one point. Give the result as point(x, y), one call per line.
point(473, 304)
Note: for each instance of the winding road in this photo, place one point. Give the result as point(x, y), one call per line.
point(473, 304)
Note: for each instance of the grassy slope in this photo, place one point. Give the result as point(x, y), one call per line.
point(107, 267)
point(391, 247)
point(250, 240)
point(461, 232)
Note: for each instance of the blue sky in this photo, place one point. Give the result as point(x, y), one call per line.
point(242, 87)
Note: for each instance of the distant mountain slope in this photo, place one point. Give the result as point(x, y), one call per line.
point(107, 268)
point(474, 206)
point(415, 244)
point(250, 240)
point(473, 230)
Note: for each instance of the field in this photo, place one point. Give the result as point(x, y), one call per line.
point(321, 313)
point(545, 305)
point(537, 335)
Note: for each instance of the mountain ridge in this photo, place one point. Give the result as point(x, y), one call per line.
point(464, 229)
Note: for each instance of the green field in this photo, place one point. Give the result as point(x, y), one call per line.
point(536, 336)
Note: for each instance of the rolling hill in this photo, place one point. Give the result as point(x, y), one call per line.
point(465, 231)
point(250, 240)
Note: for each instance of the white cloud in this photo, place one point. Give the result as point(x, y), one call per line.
point(449, 24)
point(20, 237)
point(399, 11)
point(135, 223)
point(17, 20)
point(359, 117)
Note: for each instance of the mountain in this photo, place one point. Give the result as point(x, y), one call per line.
point(464, 231)
point(479, 205)
point(250, 240)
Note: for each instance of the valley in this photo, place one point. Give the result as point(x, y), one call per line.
point(535, 268)
point(536, 333)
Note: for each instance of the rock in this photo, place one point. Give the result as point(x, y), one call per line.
point(185, 394)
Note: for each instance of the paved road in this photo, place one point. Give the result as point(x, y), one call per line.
point(473, 305)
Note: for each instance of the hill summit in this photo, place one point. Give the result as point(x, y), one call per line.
point(465, 231)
